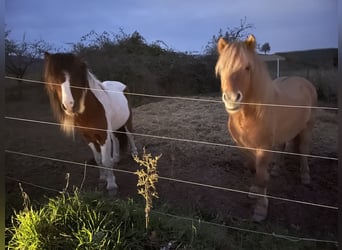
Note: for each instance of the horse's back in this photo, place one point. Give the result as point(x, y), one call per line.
point(295, 90)
point(117, 103)
point(114, 86)
point(289, 121)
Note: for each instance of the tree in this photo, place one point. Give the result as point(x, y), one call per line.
point(19, 56)
point(265, 48)
point(231, 34)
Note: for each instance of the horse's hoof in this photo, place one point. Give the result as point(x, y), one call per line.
point(306, 179)
point(274, 171)
point(112, 192)
point(259, 216)
point(134, 153)
point(102, 184)
point(260, 211)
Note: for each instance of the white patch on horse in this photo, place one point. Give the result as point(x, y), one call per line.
point(98, 160)
point(113, 100)
point(108, 162)
point(67, 98)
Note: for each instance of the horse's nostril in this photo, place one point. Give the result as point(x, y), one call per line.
point(224, 97)
point(238, 96)
point(63, 106)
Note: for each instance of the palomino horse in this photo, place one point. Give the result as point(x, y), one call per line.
point(245, 83)
point(96, 109)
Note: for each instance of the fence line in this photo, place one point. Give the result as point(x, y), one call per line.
point(280, 236)
point(199, 221)
point(177, 139)
point(174, 180)
point(179, 97)
point(32, 184)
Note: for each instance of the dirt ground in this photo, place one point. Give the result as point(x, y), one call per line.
point(207, 164)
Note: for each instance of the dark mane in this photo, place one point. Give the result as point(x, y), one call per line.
point(54, 67)
point(55, 64)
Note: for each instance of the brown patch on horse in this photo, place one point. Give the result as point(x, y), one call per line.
point(93, 121)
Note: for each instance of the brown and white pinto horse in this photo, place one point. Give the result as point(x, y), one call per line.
point(94, 108)
point(262, 128)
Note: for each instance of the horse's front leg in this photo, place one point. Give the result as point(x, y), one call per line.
point(98, 160)
point(260, 185)
point(110, 157)
point(279, 161)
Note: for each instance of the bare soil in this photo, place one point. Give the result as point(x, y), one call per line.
point(190, 161)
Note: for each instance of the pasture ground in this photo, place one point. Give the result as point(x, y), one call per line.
point(212, 165)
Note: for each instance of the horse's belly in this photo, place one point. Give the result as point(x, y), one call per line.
point(291, 124)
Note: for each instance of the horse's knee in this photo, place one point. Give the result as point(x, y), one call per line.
point(275, 170)
point(305, 178)
point(256, 192)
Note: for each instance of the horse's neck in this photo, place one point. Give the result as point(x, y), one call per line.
point(96, 87)
point(94, 83)
point(263, 93)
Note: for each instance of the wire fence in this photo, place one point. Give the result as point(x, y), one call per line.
point(179, 97)
point(172, 179)
point(291, 238)
point(176, 139)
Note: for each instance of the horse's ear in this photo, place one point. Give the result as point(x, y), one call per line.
point(46, 55)
point(221, 44)
point(84, 64)
point(251, 42)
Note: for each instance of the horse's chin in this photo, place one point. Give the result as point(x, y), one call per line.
point(233, 110)
point(71, 114)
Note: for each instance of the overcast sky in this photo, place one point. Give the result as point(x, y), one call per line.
point(184, 25)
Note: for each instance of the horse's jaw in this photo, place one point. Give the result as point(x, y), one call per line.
point(232, 108)
point(233, 111)
point(69, 113)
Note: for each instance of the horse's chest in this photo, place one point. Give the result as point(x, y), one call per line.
point(247, 134)
point(238, 134)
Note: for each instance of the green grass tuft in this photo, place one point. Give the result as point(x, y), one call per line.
point(91, 221)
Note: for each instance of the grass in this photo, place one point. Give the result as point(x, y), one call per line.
point(90, 221)
point(147, 177)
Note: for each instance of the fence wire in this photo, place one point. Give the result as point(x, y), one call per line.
point(179, 97)
point(172, 179)
point(175, 139)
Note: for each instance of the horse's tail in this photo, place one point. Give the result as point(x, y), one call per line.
point(122, 133)
point(126, 128)
point(122, 137)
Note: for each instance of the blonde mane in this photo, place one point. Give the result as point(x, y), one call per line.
point(237, 55)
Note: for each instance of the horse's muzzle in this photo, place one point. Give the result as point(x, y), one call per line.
point(232, 101)
point(68, 110)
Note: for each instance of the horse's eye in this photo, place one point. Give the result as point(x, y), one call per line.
point(247, 68)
